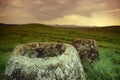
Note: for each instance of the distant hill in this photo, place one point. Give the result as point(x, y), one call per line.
point(76, 26)
point(30, 24)
point(70, 26)
point(37, 25)
point(2, 24)
point(59, 26)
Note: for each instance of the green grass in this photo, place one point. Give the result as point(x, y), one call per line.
point(108, 40)
point(108, 68)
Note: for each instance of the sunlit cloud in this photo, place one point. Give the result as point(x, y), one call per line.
point(71, 20)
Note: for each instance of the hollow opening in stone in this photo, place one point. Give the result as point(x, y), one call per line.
point(45, 50)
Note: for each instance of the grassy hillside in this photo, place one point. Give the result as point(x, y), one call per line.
point(108, 39)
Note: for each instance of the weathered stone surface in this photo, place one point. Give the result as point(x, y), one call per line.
point(44, 61)
point(87, 49)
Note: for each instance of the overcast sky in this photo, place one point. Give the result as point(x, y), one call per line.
point(77, 12)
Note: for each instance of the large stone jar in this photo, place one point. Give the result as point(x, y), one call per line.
point(44, 61)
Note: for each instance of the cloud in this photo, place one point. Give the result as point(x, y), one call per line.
point(52, 9)
point(58, 11)
point(71, 20)
point(111, 11)
point(95, 20)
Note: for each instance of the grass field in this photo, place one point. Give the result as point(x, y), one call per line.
point(108, 40)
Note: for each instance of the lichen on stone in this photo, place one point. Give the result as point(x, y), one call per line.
point(87, 50)
point(44, 61)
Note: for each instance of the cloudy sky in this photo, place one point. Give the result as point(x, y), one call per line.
point(74, 12)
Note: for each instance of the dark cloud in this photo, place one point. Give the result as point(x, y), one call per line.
point(4, 4)
point(50, 9)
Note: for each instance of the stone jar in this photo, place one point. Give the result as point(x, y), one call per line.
point(44, 61)
point(87, 50)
